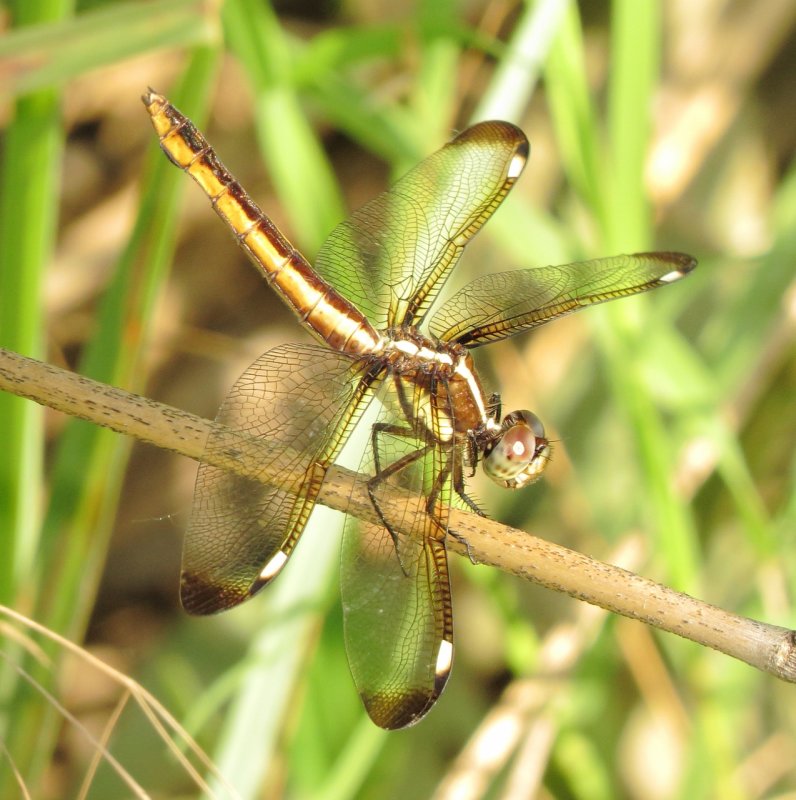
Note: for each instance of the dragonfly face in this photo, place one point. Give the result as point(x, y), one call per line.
point(364, 300)
point(519, 453)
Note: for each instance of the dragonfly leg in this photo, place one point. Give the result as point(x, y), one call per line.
point(494, 406)
point(443, 476)
point(381, 428)
point(458, 486)
point(431, 502)
point(459, 538)
point(382, 474)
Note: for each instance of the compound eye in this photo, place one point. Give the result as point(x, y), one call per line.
point(533, 422)
point(519, 454)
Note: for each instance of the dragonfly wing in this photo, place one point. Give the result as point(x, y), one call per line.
point(391, 257)
point(497, 306)
point(301, 401)
point(395, 584)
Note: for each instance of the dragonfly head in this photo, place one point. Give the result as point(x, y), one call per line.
point(519, 452)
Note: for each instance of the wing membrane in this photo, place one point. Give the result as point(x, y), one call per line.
point(303, 401)
point(391, 257)
point(498, 306)
point(396, 591)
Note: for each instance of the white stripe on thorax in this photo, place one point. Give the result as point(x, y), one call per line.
point(465, 372)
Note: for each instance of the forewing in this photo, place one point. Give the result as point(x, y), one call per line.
point(396, 591)
point(302, 401)
point(497, 306)
point(392, 256)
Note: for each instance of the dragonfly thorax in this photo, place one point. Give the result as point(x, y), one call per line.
point(443, 371)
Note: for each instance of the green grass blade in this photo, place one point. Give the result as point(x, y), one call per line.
point(31, 167)
point(361, 753)
point(514, 80)
point(51, 54)
point(634, 69)
point(576, 130)
point(635, 64)
point(295, 159)
point(31, 162)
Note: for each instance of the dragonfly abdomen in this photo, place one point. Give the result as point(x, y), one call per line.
point(318, 305)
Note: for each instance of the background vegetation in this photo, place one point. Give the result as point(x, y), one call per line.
point(653, 125)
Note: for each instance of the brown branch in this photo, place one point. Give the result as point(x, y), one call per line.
point(768, 647)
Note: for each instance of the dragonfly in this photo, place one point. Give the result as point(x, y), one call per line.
point(366, 301)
